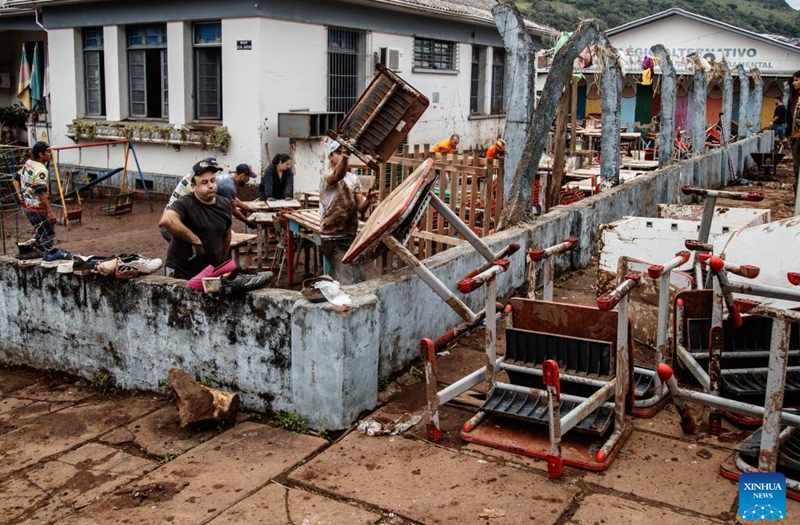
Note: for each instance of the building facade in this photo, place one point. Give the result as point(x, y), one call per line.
point(176, 70)
point(683, 33)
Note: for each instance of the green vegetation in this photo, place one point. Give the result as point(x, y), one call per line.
point(15, 116)
point(165, 388)
point(103, 381)
point(760, 16)
point(292, 421)
point(216, 138)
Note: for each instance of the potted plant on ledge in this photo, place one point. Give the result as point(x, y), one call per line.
point(14, 120)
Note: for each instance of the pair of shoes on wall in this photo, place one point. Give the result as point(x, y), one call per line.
point(28, 251)
point(55, 256)
point(132, 265)
point(196, 282)
point(126, 265)
point(240, 281)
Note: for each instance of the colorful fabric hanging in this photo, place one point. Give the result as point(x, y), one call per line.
point(647, 70)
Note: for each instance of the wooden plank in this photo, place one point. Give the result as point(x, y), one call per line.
point(553, 187)
point(473, 201)
point(499, 196)
point(444, 239)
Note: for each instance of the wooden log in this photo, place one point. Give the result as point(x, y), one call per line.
point(557, 175)
point(200, 404)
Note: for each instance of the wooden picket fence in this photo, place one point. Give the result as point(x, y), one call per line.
point(472, 187)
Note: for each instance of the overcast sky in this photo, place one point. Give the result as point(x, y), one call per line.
point(794, 3)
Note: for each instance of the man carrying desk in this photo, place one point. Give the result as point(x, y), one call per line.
point(340, 201)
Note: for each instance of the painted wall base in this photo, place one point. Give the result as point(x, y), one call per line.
point(279, 351)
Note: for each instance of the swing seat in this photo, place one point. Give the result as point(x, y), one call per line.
point(74, 212)
point(119, 204)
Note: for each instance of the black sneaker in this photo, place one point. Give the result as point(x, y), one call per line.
point(238, 281)
point(28, 252)
point(57, 254)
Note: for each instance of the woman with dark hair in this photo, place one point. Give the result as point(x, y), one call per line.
point(278, 179)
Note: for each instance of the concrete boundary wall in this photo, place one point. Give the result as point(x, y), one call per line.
point(279, 351)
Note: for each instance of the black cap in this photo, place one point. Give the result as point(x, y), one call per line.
point(39, 148)
point(245, 169)
point(205, 165)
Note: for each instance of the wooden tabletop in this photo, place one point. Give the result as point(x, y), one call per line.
point(271, 205)
point(639, 164)
point(237, 239)
point(262, 217)
point(310, 219)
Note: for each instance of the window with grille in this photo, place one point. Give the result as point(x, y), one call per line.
point(476, 79)
point(435, 54)
point(208, 70)
point(498, 80)
point(94, 72)
point(345, 60)
point(147, 71)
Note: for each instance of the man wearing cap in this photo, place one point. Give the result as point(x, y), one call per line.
point(184, 187)
point(200, 224)
point(32, 187)
point(340, 202)
point(496, 150)
point(227, 185)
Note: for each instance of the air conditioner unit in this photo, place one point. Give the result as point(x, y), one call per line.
point(390, 57)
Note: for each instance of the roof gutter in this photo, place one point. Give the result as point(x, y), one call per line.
point(410, 7)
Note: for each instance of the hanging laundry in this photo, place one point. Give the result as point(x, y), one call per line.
point(585, 57)
point(648, 65)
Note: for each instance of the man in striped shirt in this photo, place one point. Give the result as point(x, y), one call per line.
point(33, 180)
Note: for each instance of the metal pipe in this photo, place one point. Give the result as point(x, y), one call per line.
point(663, 314)
point(431, 280)
point(92, 145)
point(610, 443)
point(773, 403)
point(736, 355)
point(549, 277)
point(694, 367)
point(615, 296)
point(427, 354)
point(771, 292)
point(623, 366)
point(588, 405)
point(454, 390)
point(758, 369)
point(546, 256)
point(555, 465)
point(456, 222)
point(543, 394)
point(751, 196)
point(491, 333)
point(739, 407)
point(654, 399)
point(578, 380)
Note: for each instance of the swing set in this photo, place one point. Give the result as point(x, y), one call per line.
point(117, 204)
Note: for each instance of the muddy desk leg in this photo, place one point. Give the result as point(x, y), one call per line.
point(290, 258)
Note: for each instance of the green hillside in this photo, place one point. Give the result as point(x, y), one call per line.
point(760, 16)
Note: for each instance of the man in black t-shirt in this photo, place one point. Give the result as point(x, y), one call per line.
point(200, 224)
